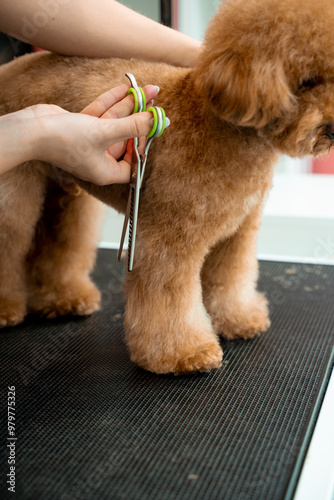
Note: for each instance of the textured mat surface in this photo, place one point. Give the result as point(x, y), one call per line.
point(91, 425)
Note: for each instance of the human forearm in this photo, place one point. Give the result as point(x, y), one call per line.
point(18, 139)
point(103, 28)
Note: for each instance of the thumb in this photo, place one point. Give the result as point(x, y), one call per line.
point(136, 125)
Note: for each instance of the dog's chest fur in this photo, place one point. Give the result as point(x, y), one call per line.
point(210, 170)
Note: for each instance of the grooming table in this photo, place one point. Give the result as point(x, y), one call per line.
point(92, 425)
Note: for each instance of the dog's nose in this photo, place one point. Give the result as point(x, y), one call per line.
point(330, 131)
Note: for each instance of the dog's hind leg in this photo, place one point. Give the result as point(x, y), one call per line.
point(229, 278)
point(21, 199)
point(64, 255)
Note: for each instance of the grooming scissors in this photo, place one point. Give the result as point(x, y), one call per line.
point(138, 164)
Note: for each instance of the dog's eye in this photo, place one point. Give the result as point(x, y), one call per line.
point(310, 83)
point(330, 131)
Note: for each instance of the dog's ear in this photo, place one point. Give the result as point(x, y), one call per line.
point(243, 90)
point(241, 72)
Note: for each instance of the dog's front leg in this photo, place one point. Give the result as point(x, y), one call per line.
point(167, 327)
point(229, 278)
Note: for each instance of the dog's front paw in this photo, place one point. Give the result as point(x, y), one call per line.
point(205, 358)
point(241, 319)
point(12, 312)
point(80, 299)
point(201, 358)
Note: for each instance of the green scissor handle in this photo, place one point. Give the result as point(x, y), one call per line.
point(153, 110)
point(135, 96)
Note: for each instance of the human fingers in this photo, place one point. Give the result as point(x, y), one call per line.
point(124, 148)
point(137, 125)
point(125, 106)
point(128, 153)
point(105, 101)
point(141, 144)
point(117, 150)
point(111, 171)
point(129, 148)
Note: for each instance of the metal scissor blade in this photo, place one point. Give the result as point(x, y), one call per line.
point(125, 225)
point(134, 218)
point(132, 237)
point(135, 160)
point(143, 158)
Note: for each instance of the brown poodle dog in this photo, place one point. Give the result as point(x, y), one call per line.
point(264, 86)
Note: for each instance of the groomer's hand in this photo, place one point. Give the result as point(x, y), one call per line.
point(86, 144)
point(89, 144)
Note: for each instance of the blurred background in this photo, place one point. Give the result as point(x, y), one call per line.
point(298, 223)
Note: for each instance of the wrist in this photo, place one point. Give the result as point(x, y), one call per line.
point(37, 131)
point(31, 139)
point(17, 141)
point(40, 139)
point(190, 57)
point(186, 51)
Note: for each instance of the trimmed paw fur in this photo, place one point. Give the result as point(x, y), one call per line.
point(12, 312)
point(243, 320)
point(201, 359)
point(205, 358)
point(81, 299)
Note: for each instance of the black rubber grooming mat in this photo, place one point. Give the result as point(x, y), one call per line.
point(91, 425)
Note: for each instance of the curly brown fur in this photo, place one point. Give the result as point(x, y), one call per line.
point(264, 86)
